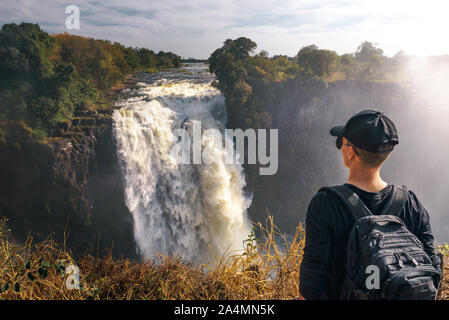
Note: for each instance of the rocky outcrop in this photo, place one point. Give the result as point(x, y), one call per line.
point(70, 187)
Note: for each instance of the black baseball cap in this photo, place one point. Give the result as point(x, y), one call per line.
point(368, 130)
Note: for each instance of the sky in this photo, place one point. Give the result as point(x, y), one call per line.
point(196, 28)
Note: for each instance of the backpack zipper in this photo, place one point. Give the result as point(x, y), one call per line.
point(412, 260)
point(399, 260)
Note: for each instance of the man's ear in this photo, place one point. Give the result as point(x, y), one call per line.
point(346, 141)
point(352, 155)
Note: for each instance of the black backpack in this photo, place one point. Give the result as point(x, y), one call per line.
point(385, 261)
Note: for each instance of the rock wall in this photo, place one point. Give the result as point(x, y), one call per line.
point(304, 112)
point(70, 186)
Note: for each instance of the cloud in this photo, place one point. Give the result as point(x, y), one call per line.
point(198, 27)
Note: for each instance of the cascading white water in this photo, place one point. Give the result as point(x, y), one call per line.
point(198, 211)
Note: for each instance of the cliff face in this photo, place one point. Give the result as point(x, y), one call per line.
point(71, 185)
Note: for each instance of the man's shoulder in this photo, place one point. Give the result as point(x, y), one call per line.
point(323, 198)
point(412, 198)
point(414, 203)
point(324, 207)
point(326, 195)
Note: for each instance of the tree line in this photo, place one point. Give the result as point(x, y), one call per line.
point(45, 78)
point(247, 78)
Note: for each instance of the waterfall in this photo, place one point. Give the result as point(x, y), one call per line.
point(197, 212)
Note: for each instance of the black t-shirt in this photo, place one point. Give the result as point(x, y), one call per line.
point(328, 224)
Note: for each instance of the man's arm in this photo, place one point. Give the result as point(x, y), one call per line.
point(315, 262)
point(425, 234)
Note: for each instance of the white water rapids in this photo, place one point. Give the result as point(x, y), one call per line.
point(197, 212)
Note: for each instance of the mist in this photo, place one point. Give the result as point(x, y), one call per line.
point(309, 159)
point(420, 112)
point(421, 159)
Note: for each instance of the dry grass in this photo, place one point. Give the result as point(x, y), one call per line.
point(443, 293)
point(263, 271)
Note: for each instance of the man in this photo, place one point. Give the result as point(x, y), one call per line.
point(365, 141)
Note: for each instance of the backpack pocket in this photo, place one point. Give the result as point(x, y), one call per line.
point(415, 284)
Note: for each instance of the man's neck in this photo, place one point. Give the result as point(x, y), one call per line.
point(369, 181)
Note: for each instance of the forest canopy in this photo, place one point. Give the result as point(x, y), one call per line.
point(45, 78)
point(247, 78)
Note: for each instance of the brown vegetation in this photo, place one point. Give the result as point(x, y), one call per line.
point(261, 271)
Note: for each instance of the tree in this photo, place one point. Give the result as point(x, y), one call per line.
point(45, 78)
point(347, 59)
point(24, 53)
point(400, 60)
point(366, 50)
point(315, 61)
point(232, 51)
point(263, 54)
point(147, 58)
point(43, 108)
point(231, 65)
point(132, 58)
point(168, 60)
point(239, 49)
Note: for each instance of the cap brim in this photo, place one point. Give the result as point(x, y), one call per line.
point(337, 131)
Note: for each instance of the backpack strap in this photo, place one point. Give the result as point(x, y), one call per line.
point(359, 210)
point(352, 201)
point(397, 201)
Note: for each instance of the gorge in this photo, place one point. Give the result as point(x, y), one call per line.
point(112, 186)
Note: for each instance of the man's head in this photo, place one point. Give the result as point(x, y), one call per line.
point(366, 140)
